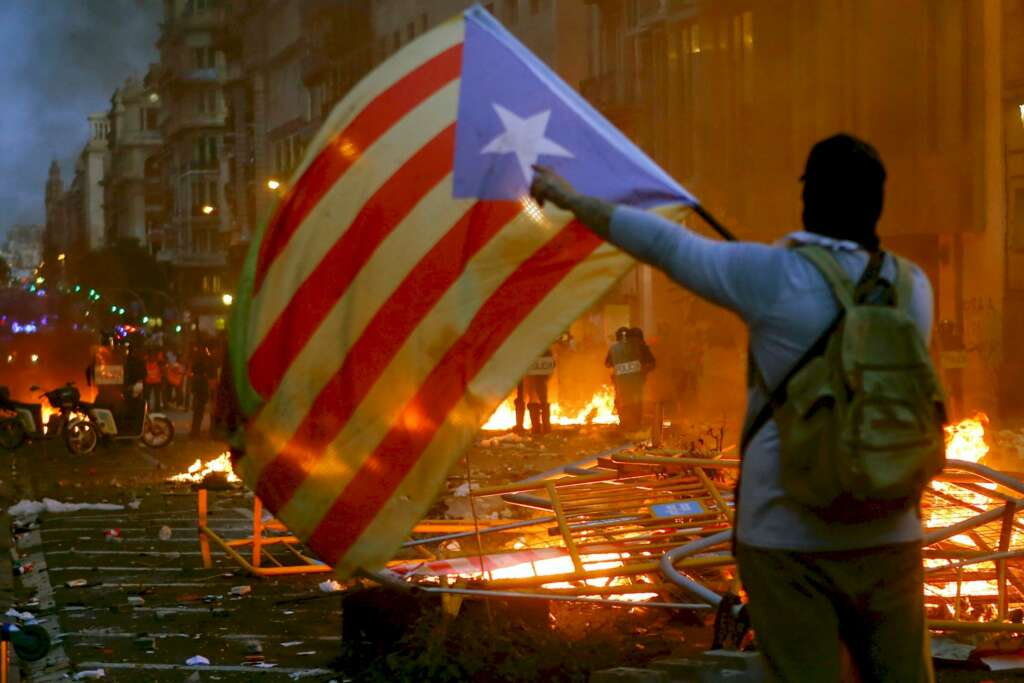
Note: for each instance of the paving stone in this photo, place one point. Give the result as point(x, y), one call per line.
point(749, 663)
point(685, 670)
point(627, 674)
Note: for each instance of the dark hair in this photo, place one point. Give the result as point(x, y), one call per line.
point(844, 184)
point(621, 333)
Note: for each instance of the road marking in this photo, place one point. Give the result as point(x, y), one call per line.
point(206, 636)
point(134, 553)
point(56, 663)
point(210, 667)
point(130, 570)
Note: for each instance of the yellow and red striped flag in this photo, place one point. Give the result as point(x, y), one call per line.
point(405, 281)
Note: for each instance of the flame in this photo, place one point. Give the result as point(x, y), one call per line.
point(966, 439)
point(48, 411)
point(599, 410)
point(563, 565)
point(199, 470)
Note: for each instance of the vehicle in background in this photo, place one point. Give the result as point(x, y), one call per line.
point(66, 420)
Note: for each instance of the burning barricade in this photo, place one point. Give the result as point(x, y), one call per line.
point(598, 530)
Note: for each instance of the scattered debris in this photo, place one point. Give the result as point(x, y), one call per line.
point(90, 674)
point(165, 533)
point(330, 586)
point(291, 643)
point(241, 590)
point(135, 504)
point(113, 536)
point(76, 583)
point(136, 601)
point(197, 660)
point(30, 508)
point(26, 617)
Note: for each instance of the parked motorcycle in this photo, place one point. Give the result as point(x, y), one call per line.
point(24, 421)
point(133, 421)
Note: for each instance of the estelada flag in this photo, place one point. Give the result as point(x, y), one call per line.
point(406, 281)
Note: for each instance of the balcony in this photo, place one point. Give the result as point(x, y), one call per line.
point(210, 19)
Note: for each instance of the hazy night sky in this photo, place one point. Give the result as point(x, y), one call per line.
point(62, 61)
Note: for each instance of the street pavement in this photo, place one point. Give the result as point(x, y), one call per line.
point(287, 625)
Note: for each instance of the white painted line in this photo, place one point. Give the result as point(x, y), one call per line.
point(118, 635)
point(129, 570)
point(56, 663)
point(211, 667)
point(133, 553)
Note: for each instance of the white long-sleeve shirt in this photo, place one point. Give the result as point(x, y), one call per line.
point(786, 304)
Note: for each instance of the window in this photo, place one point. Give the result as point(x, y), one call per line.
point(204, 57)
point(396, 40)
point(149, 118)
point(534, 6)
point(200, 5)
point(206, 102)
point(423, 22)
point(410, 31)
point(205, 150)
point(512, 10)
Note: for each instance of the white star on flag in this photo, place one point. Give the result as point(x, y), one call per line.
point(525, 138)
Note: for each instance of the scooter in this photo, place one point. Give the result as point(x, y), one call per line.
point(24, 421)
point(154, 429)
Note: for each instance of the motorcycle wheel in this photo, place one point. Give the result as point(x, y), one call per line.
point(12, 433)
point(80, 437)
point(158, 432)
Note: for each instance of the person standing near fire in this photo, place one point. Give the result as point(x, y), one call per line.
point(815, 580)
point(532, 395)
point(202, 372)
point(630, 359)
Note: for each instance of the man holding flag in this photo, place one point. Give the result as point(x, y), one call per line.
point(407, 280)
point(812, 583)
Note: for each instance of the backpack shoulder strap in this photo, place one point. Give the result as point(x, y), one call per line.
point(836, 276)
point(904, 283)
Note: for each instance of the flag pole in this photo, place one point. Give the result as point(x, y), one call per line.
point(713, 222)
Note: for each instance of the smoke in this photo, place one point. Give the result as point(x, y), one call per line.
point(62, 60)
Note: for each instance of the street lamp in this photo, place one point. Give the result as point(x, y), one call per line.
point(273, 184)
point(61, 257)
point(207, 209)
point(227, 299)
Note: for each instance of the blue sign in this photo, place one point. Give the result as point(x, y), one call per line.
point(682, 508)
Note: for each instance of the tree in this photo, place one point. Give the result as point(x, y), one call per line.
point(123, 272)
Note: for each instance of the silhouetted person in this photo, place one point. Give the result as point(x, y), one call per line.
point(202, 372)
point(812, 583)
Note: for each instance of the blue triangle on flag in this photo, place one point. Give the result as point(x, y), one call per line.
point(514, 111)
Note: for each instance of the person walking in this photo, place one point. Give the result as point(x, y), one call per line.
point(825, 561)
point(202, 371)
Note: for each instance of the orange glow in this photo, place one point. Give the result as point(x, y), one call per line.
point(563, 565)
point(600, 410)
point(965, 440)
point(48, 412)
point(199, 470)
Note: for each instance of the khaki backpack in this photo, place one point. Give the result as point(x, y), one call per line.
point(861, 416)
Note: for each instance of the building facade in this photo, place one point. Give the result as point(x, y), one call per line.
point(728, 96)
point(193, 159)
point(133, 200)
point(23, 250)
